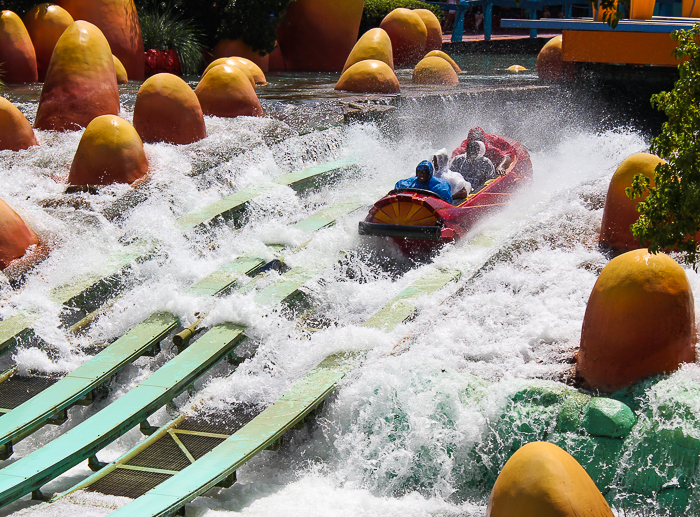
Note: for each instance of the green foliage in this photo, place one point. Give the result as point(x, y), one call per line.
point(167, 30)
point(253, 21)
point(670, 214)
point(612, 8)
point(18, 6)
point(375, 11)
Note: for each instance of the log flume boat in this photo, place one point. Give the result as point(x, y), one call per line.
point(420, 222)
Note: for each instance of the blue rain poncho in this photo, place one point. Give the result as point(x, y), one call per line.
point(437, 185)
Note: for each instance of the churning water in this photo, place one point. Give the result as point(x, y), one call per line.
point(412, 431)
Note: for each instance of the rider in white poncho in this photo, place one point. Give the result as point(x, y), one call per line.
point(459, 186)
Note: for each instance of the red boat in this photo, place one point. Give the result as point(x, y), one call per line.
point(420, 222)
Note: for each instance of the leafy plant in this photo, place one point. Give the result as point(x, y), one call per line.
point(253, 21)
point(670, 214)
point(375, 11)
point(164, 30)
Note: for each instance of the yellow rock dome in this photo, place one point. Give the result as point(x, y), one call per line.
point(15, 131)
point(639, 321)
point(443, 55)
point(543, 480)
point(17, 52)
point(225, 91)
point(374, 44)
point(369, 76)
point(408, 36)
point(231, 62)
point(45, 23)
point(81, 82)
point(168, 110)
point(620, 211)
point(435, 70)
point(110, 151)
point(432, 25)
point(15, 235)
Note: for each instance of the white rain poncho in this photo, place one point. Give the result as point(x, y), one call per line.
point(455, 179)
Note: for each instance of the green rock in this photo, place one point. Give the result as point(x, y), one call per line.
point(674, 500)
point(569, 419)
point(545, 394)
point(599, 457)
point(661, 457)
point(608, 417)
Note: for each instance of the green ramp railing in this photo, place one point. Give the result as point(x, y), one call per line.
point(18, 327)
point(261, 430)
point(83, 441)
point(51, 403)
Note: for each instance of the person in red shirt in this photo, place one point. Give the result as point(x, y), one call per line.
point(498, 150)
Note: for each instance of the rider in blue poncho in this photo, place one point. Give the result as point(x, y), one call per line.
point(425, 180)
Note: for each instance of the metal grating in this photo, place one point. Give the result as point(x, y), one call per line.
point(223, 421)
point(127, 483)
point(198, 445)
point(163, 454)
point(20, 388)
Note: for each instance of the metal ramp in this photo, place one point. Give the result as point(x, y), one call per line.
point(192, 454)
point(31, 402)
point(83, 441)
point(78, 295)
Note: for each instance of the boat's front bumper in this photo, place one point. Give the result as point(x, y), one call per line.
point(406, 231)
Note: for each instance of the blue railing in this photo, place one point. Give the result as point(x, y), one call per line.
point(532, 6)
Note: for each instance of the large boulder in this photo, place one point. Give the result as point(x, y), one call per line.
point(45, 23)
point(432, 25)
point(119, 22)
point(15, 131)
point(15, 235)
point(17, 53)
point(639, 321)
point(318, 35)
point(167, 110)
point(374, 44)
point(225, 91)
point(435, 70)
point(369, 76)
point(110, 151)
point(81, 82)
point(235, 47)
point(408, 36)
point(620, 211)
point(543, 480)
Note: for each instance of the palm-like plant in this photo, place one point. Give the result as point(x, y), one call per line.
point(163, 30)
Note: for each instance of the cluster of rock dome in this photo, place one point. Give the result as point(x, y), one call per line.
point(81, 75)
point(405, 37)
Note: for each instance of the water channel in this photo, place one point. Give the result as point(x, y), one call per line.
point(416, 429)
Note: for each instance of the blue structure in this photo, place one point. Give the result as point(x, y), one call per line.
point(664, 7)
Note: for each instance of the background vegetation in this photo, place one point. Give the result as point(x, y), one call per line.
point(670, 215)
point(253, 21)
